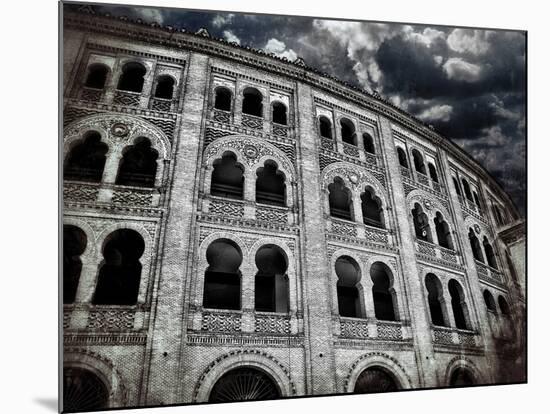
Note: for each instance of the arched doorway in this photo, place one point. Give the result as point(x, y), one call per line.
point(83, 391)
point(244, 384)
point(461, 377)
point(375, 379)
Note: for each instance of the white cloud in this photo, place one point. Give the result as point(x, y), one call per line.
point(149, 15)
point(231, 37)
point(279, 49)
point(426, 37)
point(222, 19)
point(438, 59)
point(459, 69)
point(437, 113)
point(469, 41)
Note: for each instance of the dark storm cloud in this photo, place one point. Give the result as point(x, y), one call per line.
point(469, 84)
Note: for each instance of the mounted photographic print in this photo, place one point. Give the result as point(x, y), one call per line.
point(259, 207)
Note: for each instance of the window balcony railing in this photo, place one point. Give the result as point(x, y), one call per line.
point(272, 323)
point(225, 207)
point(127, 98)
point(222, 116)
point(280, 130)
point(91, 94)
point(272, 214)
point(83, 192)
point(455, 337)
point(422, 179)
point(104, 318)
point(252, 121)
point(405, 172)
point(327, 143)
point(488, 273)
point(370, 328)
point(435, 252)
point(350, 150)
point(161, 104)
point(221, 321)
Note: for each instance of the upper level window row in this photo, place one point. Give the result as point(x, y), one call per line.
point(252, 104)
point(424, 166)
point(346, 131)
point(464, 189)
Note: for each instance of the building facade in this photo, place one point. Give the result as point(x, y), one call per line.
point(239, 226)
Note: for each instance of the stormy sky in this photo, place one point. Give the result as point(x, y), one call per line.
point(469, 84)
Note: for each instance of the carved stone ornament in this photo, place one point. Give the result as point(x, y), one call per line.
point(250, 151)
point(428, 204)
point(477, 228)
point(353, 178)
point(119, 130)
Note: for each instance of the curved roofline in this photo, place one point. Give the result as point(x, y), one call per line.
point(362, 96)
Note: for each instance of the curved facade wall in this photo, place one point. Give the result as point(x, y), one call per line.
point(373, 232)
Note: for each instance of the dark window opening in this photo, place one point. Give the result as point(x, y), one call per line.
point(489, 301)
point(444, 238)
point(467, 191)
point(511, 267)
point(271, 282)
point(476, 248)
point(503, 305)
point(325, 127)
point(120, 272)
point(348, 131)
point(458, 304)
point(165, 87)
point(222, 100)
point(435, 299)
point(381, 292)
point(371, 207)
point(252, 102)
point(270, 185)
point(244, 384)
point(339, 200)
point(457, 187)
point(489, 253)
point(227, 177)
point(461, 377)
point(476, 200)
point(222, 279)
point(97, 76)
point(348, 288)
point(279, 113)
point(498, 215)
point(418, 160)
point(74, 244)
point(368, 142)
point(421, 224)
point(138, 166)
point(375, 380)
point(86, 159)
point(433, 172)
point(132, 77)
point(83, 391)
point(402, 157)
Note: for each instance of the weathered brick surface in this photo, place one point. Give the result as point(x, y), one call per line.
point(176, 351)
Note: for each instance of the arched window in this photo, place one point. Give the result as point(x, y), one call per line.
point(503, 306)
point(457, 187)
point(476, 248)
point(444, 238)
point(368, 142)
point(244, 384)
point(222, 100)
point(270, 185)
point(458, 304)
point(373, 380)
point(489, 301)
point(402, 156)
point(252, 102)
point(467, 190)
point(222, 279)
point(339, 199)
point(418, 160)
point(120, 270)
point(83, 391)
point(165, 87)
point(476, 200)
point(279, 113)
point(132, 77)
point(348, 288)
point(227, 177)
point(348, 131)
point(325, 127)
point(271, 282)
point(74, 244)
point(433, 172)
point(461, 377)
point(382, 295)
point(436, 303)
point(421, 224)
point(97, 76)
point(489, 253)
point(373, 214)
point(86, 159)
point(138, 166)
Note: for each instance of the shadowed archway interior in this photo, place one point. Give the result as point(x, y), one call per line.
point(83, 391)
point(244, 384)
point(373, 380)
